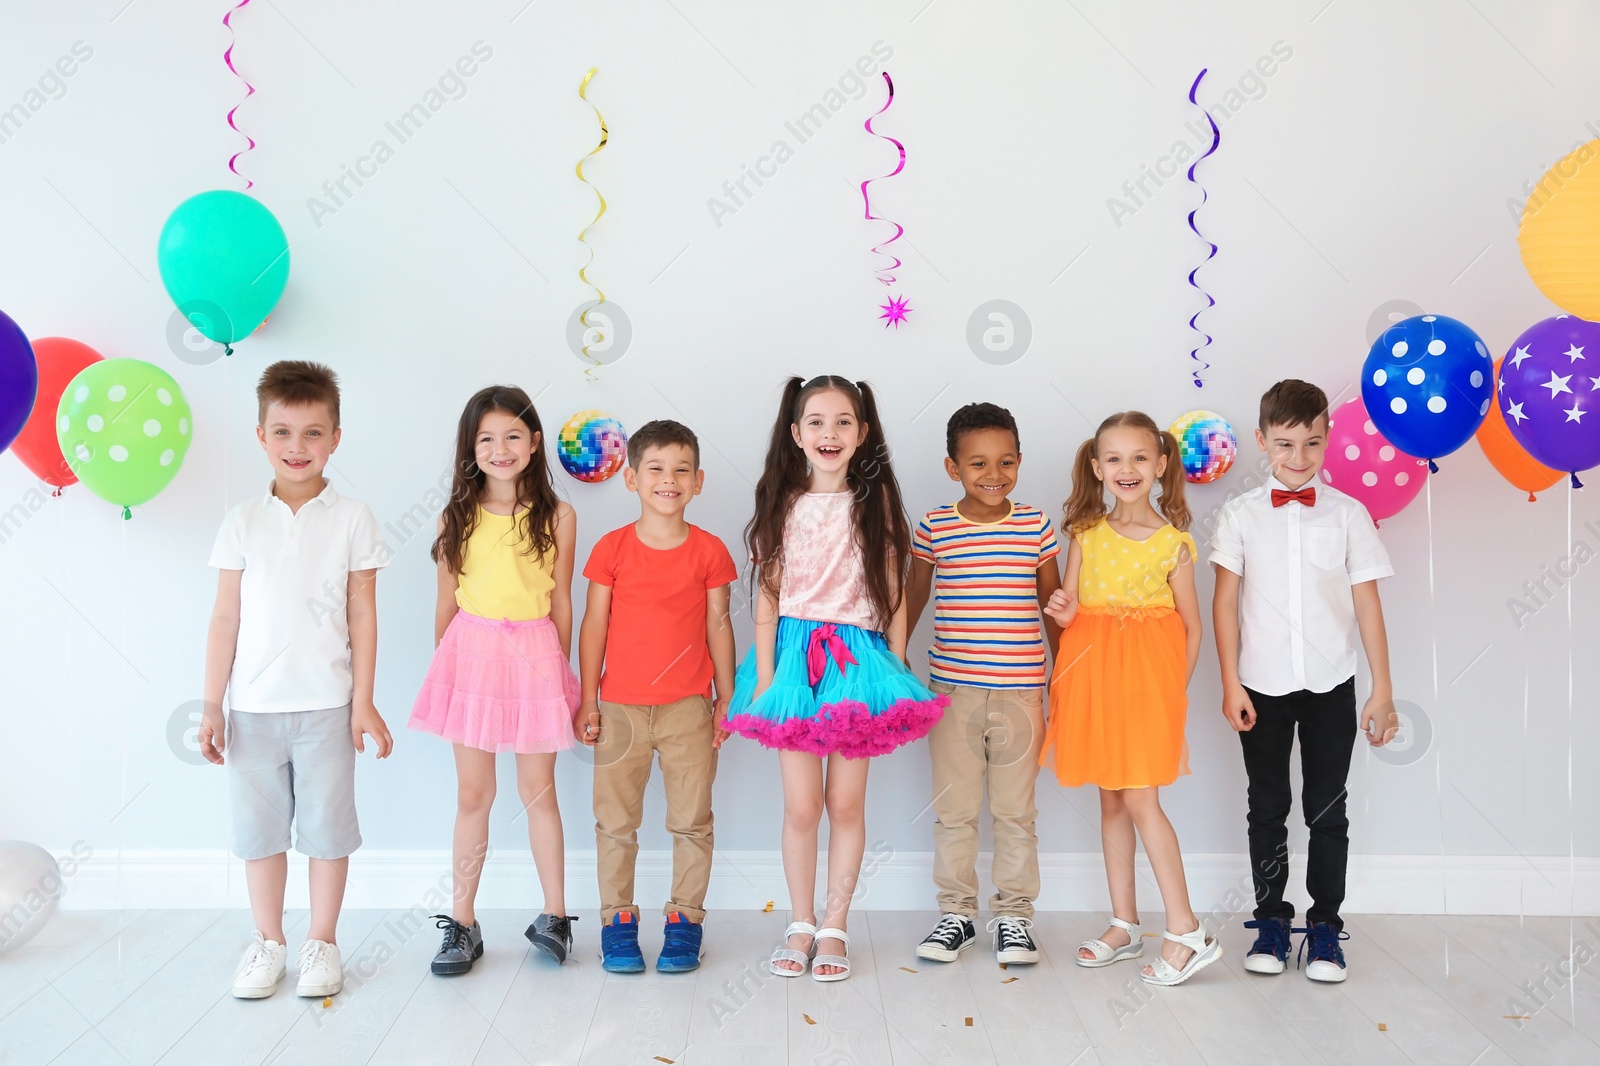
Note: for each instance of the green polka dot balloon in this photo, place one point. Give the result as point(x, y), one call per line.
point(124, 426)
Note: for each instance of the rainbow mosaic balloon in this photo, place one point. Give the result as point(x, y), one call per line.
point(593, 446)
point(1207, 443)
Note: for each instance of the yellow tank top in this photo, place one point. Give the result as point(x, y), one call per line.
point(499, 579)
point(1122, 574)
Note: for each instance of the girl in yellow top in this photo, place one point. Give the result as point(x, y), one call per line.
point(501, 679)
point(1131, 635)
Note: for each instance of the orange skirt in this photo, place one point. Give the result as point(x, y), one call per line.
point(1119, 700)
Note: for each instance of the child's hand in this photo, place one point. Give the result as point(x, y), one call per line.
point(366, 719)
point(1379, 720)
point(1062, 607)
point(587, 724)
point(1237, 709)
point(719, 722)
point(213, 733)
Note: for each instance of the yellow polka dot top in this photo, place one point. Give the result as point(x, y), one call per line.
point(1118, 573)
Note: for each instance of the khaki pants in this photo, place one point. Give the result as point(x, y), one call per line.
point(987, 737)
point(680, 733)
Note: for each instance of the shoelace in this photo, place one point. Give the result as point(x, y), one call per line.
point(1013, 932)
point(1271, 934)
point(260, 959)
point(313, 955)
point(948, 931)
point(456, 935)
point(1324, 942)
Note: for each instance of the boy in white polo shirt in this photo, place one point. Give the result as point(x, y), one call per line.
point(293, 643)
point(1297, 565)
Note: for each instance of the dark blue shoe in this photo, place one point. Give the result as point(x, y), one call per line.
point(680, 945)
point(1270, 952)
point(1323, 956)
point(619, 945)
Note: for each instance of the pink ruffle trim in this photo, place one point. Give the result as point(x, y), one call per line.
point(525, 726)
point(846, 728)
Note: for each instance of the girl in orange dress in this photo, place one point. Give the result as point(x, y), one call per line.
point(1131, 634)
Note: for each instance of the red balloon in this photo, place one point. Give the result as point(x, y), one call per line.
point(60, 360)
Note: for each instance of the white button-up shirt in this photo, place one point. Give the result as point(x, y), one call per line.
point(293, 651)
point(1297, 617)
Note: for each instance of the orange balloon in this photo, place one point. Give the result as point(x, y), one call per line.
point(1560, 233)
point(1506, 455)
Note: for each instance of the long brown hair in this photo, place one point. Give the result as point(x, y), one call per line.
point(877, 513)
point(538, 522)
point(1087, 504)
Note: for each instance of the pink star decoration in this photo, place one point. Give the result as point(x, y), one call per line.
point(894, 311)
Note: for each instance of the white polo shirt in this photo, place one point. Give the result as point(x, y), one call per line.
point(1297, 617)
point(293, 652)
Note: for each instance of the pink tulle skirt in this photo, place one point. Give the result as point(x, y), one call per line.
point(499, 686)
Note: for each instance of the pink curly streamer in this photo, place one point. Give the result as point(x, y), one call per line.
point(1216, 139)
point(885, 275)
point(250, 90)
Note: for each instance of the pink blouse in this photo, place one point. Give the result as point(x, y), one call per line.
point(823, 579)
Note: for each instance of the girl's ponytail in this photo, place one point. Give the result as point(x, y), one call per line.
point(1087, 504)
point(782, 478)
point(882, 529)
point(1172, 503)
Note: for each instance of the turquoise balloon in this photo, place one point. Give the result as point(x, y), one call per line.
point(224, 260)
point(124, 427)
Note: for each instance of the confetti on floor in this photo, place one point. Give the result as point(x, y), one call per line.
point(768, 908)
point(1008, 980)
point(969, 1023)
point(908, 969)
point(327, 1002)
point(1382, 1028)
point(809, 1019)
point(1002, 965)
point(660, 1058)
point(1518, 1017)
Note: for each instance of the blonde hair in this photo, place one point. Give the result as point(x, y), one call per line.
point(1087, 504)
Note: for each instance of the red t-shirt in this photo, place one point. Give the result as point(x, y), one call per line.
point(656, 636)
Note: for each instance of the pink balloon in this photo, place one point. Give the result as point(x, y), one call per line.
point(1362, 464)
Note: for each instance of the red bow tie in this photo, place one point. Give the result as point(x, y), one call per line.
point(1307, 496)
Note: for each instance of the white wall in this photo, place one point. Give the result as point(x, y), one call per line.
point(1375, 164)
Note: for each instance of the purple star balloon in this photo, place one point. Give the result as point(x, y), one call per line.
point(1550, 392)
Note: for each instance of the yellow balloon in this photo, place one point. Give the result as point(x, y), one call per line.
point(1560, 233)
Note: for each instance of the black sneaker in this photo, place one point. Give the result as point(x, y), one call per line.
point(463, 945)
point(953, 935)
point(552, 935)
point(1013, 939)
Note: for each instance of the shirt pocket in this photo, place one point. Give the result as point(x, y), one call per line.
point(1325, 548)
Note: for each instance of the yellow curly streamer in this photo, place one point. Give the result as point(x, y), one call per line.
point(605, 135)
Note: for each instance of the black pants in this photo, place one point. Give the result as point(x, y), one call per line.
point(1327, 724)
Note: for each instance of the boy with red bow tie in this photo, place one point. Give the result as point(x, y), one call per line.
point(1297, 565)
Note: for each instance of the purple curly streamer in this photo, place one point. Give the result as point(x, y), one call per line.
point(886, 275)
point(250, 90)
point(1216, 139)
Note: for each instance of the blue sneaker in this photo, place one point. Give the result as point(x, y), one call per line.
point(1270, 952)
point(1324, 957)
point(680, 945)
point(619, 945)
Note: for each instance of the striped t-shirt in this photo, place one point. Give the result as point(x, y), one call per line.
point(986, 595)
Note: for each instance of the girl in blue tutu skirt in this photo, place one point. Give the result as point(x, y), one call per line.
point(827, 683)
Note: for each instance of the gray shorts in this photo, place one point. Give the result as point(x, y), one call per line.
point(292, 766)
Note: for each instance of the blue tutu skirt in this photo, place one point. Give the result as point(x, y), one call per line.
point(836, 689)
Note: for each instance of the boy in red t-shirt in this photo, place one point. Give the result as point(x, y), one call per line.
point(657, 620)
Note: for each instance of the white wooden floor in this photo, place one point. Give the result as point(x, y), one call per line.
point(152, 986)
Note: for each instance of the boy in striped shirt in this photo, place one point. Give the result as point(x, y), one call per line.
point(991, 565)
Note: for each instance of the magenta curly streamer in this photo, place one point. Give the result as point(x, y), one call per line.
point(894, 312)
point(249, 91)
point(1216, 139)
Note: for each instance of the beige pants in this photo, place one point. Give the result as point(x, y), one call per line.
point(680, 733)
point(988, 740)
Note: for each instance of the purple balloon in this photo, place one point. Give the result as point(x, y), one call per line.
point(19, 380)
point(1550, 392)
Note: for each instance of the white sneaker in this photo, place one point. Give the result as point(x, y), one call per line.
point(260, 970)
point(320, 972)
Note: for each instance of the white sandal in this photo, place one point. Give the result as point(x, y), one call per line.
point(1105, 954)
point(831, 960)
point(789, 954)
point(1207, 949)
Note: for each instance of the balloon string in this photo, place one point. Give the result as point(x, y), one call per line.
point(1572, 859)
point(1438, 728)
point(605, 136)
point(1216, 139)
point(249, 91)
point(886, 274)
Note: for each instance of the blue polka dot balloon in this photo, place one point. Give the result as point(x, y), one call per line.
point(1427, 383)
